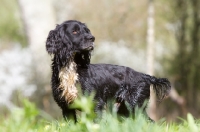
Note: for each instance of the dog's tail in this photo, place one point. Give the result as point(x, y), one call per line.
point(161, 86)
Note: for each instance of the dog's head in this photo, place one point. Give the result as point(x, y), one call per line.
point(69, 38)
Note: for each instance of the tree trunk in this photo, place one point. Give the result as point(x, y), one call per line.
point(39, 19)
point(150, 57)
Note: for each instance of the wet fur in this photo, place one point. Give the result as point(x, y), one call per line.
point(71, 44)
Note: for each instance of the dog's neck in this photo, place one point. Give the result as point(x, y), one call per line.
point(67, 73)
point(82, 59)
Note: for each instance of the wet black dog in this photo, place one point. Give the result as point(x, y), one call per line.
point(71, 44)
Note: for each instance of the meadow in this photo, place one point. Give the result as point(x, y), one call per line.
point(28, 118)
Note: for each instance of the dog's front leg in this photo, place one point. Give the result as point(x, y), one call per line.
point(69, 114)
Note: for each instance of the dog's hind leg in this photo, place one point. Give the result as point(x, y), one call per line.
point(122, 109)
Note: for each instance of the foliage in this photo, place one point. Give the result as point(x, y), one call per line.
point(20, 119)
point(178, 30)
point(185, 63)
point(10, 24)
point(30, 119)
point(16, 74)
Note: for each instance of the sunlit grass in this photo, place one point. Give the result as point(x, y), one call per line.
point(30, 119)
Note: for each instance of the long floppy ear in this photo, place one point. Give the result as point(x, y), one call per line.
point(57, 40)
point(53, 41)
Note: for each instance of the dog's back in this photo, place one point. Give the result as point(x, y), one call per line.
point(121, 84)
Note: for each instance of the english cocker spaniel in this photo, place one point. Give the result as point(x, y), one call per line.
point(71, 44)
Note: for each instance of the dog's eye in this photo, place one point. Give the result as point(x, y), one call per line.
point(75, 32)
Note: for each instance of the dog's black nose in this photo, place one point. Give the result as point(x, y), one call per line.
point(91, 38)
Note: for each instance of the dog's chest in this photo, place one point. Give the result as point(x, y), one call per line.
point(68, 78)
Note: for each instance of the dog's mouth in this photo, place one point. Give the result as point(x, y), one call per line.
point(85, 48)
point(90, 48)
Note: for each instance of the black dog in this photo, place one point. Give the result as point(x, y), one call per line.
point(71, 44)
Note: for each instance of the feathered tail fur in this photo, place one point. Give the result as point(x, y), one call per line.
point(161, 86)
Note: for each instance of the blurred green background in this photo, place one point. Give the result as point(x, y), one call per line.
point(121, 31)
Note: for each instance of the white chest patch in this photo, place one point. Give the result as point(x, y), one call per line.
point(68, 78)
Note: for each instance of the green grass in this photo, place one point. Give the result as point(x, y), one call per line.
point(30, 119)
